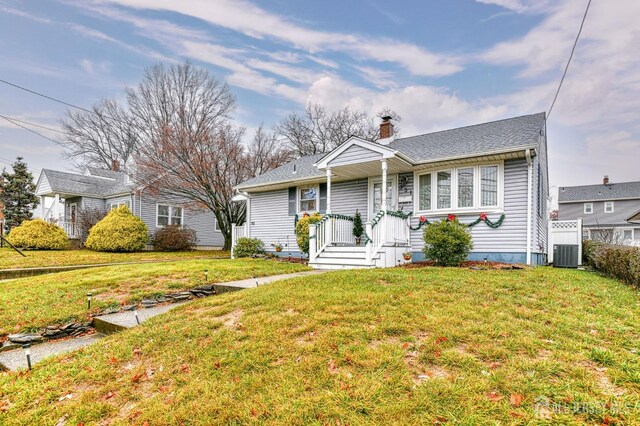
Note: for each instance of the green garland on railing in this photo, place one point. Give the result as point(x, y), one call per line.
point(327, 216)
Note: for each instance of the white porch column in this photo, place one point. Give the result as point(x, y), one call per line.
point(233, 238)
point(384, 186)
point(329, 190)
point(56, 209)
point(313, 235)
point(43, 207)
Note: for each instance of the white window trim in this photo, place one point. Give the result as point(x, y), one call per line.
point(171, 206)
point(121, 203)
point(477, 208)
point(299, 198)
point(394, 193)
point(216, 228)
point(584, 208)
point(612, 206)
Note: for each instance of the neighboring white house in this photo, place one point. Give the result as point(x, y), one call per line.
point(63, 195)
point(609, 211)
point(493, 174)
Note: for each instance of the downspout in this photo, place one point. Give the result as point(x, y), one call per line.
point(529, 202)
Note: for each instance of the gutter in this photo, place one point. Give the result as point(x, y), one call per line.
point(529, 202)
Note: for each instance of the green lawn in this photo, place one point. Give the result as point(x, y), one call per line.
point(396, 346)
point(9, 259)
point(30, 303)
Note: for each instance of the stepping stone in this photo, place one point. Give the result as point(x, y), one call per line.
point(23, 338)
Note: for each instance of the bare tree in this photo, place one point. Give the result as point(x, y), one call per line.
point(316, 130)
point(99, 137)
point(265, 152)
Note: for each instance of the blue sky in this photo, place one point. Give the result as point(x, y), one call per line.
point(439, 64)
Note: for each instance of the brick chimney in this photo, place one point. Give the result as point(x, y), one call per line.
point(386, 127)
point(605, 180)
point(115, 165)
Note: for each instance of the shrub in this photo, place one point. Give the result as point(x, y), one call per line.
point(38, 234)
point(447, 242)
point(622, 262)
point(302, 231)
point(247, 247)
point(87, 218)
point(119, 231)
point(174, 238)
point(588, 248)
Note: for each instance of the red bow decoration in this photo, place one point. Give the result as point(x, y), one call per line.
point(451, 217)
point(305, 215)
point(423, 219)
point(483, 216)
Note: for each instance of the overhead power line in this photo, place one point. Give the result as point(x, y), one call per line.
point(28, 129)
point(566, 68)
point(31, 124)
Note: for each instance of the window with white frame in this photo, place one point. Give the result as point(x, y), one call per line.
point(627, 234)
point(636, 234)
point(169, 215)
point(116, 205)
point(608, 207)
point(588, 208)
point(308, 199)
point(463, 188)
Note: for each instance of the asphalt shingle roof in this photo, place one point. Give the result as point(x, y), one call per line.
point(510, 133)
point(95, 184)
point(611, 191)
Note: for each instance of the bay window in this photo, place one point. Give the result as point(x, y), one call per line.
point(459, 189)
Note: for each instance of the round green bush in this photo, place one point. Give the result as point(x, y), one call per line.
point(38, 234)
point(247, 247)
point(447, 242)
point(119, 231)
point(302, 231)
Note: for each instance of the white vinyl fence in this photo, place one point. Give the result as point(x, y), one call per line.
point(565, 232)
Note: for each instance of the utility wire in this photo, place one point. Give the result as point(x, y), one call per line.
point(51, 98)
point(28, 129)
point(31, 124)
point(566, 68)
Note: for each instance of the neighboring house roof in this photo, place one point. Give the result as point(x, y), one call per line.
point(600, 192)
point(634, 218)
point(510, 134)
point(95, 183)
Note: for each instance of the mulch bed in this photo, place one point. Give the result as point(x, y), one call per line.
point(471, 264)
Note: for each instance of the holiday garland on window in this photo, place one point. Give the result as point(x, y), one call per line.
point(482, 218)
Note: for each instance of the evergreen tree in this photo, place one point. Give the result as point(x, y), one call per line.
point(358, 230)
point(17, 194)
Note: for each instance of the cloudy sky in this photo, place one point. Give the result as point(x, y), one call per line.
point(439, 64)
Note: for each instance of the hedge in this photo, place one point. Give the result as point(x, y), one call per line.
point(119, 231)
point(621, 262)
point(247, 247)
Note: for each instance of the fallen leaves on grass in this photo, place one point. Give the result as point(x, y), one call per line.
point(494, 396)
point(516, 399)
point(5, 405)
point(109, 395)
point(185, 368)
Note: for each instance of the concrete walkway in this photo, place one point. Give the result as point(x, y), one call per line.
point(15, 359)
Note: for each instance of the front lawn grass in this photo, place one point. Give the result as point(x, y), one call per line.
point(10, 259)
point(396, 346)
point(30, 303)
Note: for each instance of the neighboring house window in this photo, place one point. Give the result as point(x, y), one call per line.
point(489, 189)
point(608, 207)
point(169, 215)
point(627, 234)
point(116, 205)
point(308, 199)
point(585, 234)
point(636, 234)
point(444, 190)
point(465, 187)
point(458, 189)
point(588, 208)
point(425, 192)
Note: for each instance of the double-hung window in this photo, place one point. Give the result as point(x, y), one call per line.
point(608, 207)
point(168, 215)
point(588, 208)
point(459, 189)
point(308, 199)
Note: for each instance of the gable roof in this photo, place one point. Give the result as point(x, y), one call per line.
point(96, 184)
point(511, 134)
point(600, 192)
point(495, 136)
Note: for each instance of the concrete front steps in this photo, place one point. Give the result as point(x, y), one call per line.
point(337, 257)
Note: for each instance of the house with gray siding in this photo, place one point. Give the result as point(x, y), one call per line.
point(491, 175)
point(64, 195)
point(609, 211)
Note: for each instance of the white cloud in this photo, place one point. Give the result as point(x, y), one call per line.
point(519, 6)
point(253, 21)
point(92, 67)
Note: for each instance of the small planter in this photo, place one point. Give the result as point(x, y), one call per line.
point(407, 256)
point(278, 249)
point(358, 241)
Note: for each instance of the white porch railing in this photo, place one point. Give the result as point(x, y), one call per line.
point(70, 228)
point(237, 232)
point(332, 229)
point(341, 230)
point(386, 228)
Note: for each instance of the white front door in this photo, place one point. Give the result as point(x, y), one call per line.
point(375, 196)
